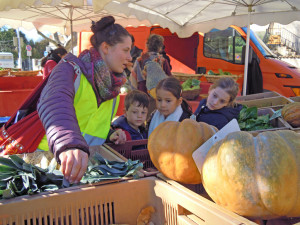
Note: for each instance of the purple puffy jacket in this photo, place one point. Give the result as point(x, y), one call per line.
point(56, 109)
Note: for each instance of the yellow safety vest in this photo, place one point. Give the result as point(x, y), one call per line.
point(94, 122)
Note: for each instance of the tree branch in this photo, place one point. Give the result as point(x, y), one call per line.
point(49, 39)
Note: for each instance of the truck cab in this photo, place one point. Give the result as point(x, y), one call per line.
point(225, 49)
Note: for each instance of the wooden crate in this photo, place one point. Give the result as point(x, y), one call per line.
point(295, 98)
point(24, 73)
point(277, 123)
point(213, 78)
point(185, 76)
point(273, 102)
point(4, 73)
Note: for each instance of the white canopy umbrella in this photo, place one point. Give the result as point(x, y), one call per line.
point(188, 16)
point(181, 16)
point(63, 16)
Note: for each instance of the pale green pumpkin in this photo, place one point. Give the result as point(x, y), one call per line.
point(256, 177)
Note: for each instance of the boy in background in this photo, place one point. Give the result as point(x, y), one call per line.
point(133, 121)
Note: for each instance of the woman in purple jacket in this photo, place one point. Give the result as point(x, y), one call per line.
point(69, 125)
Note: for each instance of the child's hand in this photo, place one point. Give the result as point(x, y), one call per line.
point(118, 137)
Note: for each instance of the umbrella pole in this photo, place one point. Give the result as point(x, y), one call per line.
point(71, 24)
point(19, 50)
point(247, 55)
point(72, 36)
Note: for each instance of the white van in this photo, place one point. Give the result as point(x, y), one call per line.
point(6, 60)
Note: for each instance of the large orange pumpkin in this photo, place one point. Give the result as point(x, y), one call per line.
point(256, 177)
point(172, 144)
point(291, 113)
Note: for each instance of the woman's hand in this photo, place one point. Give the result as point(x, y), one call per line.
point(118, 137)
point(74, 163)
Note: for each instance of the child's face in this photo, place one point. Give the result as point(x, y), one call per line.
point(166, 102)
point(136, 115)
point(217, 98)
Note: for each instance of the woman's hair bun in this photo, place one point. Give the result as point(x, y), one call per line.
point(102, 24)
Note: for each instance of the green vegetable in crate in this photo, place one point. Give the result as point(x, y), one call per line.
point(256, 177)
point(210, 72)
point(291, 113)
point(224, 73)
point(190, 84)
point(249, 120)
point(227, 73)
point(20, 178)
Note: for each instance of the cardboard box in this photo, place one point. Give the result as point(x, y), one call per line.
point(257, 96)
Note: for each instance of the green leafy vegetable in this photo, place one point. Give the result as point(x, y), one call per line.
point(190, 84)
point(104, 169)
point(221, 72)
point(210, 72)
point(249, 120)
point(20, 178)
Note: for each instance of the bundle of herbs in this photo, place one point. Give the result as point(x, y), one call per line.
point(250, 121)
point(20, 178)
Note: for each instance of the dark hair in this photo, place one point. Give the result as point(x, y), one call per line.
point(228, 85)
point(106, 30)
point(136, 96)
point(60, 50)
point(173, 85)
point(155, 43)
point(132, 38)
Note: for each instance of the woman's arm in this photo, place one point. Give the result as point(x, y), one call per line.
point(57, 112)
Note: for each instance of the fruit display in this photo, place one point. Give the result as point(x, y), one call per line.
point(256, 177)
point(291, 113)
point(172, 144)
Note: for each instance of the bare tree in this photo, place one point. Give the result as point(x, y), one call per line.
point(67, 44)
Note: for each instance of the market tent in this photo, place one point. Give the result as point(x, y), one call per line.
point(181, 16)
point(63, 16)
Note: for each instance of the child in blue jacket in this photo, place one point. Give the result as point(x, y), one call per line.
point(133, 121)
point(219, 108)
